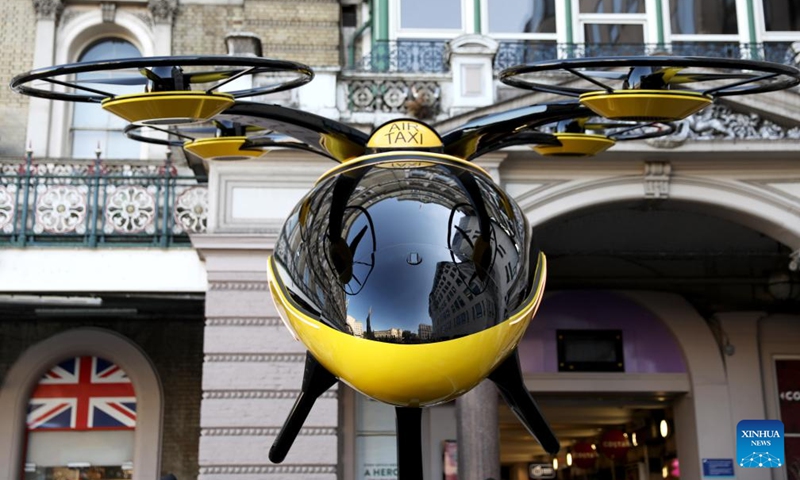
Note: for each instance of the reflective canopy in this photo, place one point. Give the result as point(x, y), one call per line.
point(407, 248)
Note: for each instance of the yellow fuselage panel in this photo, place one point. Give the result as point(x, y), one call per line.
point(575, 145)
point(410, 375)
point(645, 105)
point(165, 108)
point(222, 148)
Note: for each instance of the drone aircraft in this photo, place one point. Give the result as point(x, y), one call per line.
point(406, 271)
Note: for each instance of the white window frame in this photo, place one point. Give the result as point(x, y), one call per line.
point(519, 36)
point(764, 36)
point(647, 21)
point(741, 27)
point(396, 32)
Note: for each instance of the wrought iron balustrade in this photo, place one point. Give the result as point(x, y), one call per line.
point(420, 99)
point(514, 53)
point(99, 204)
point(405, 56)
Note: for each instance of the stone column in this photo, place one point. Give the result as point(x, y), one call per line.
point(163, 12)
point(253, 367)
point(471, 59)
point(478, 433)
point(47, 15)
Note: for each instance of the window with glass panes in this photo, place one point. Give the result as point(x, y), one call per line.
point(375, 442)
point(92, 127)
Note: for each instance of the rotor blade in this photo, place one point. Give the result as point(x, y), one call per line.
point(689, 77)
point(150, 75)
point(610, 74)
point(208, 77)
point(321, 135)
point(114, 81)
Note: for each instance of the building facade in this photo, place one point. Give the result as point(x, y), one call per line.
point(673, 286)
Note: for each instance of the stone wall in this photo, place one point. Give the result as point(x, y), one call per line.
point(305, 31)
point(175, 348)
point(16, 45)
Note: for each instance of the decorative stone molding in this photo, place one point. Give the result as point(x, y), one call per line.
point(109, 11)
point(226, 321)
point(238, 286)
point(256, 358)
point(259, 394)
point(263, 431)
point(720, 122)
point(163, 11)
point(656, 179)
point(264, 469)
point(48, 9)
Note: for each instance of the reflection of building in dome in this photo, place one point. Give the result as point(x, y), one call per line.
point(390, 334)
point(424, 332)
point(454, 308)
point(356, 328)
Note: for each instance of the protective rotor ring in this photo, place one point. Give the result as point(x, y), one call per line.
point(176, 79)
point(750, 76)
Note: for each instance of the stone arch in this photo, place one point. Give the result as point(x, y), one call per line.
point(74, 36)
point(744, 204)
point(34, 362)
point(706, 408)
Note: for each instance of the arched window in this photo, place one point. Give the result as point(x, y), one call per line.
point(93, 127)
point(81, 421)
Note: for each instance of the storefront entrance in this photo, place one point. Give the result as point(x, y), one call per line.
point(603, 437)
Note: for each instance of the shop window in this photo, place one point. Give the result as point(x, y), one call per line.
point(521, 16)
point(781, 15)
point(706, 17)
point(376, 443)
point(81, 422)
point(93, 127)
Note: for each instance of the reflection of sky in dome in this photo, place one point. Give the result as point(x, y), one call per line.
point(396, 291)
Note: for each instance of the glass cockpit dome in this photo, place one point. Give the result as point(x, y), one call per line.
point(400, 263)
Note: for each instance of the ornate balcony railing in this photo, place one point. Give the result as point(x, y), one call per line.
point(99, 204)
point(418, 56)
point(521, 52)
point(405, 56)
point(419, 99)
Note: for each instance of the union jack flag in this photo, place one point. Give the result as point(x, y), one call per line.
point(83, 393)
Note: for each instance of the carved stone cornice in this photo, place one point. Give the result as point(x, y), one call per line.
point(656, 179)
point(262, 431)
point(255, 357)
point(258, 394)
point(48, 9)
point(163, 11)
point(238, 286)
point(267, 469)
point(243, 322)
point(720, 122)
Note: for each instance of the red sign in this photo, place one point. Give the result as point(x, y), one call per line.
point(583, 455)
point(614, 445)
point(788, 375)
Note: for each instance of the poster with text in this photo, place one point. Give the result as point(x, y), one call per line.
point(450, 460)
point(788, 377)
